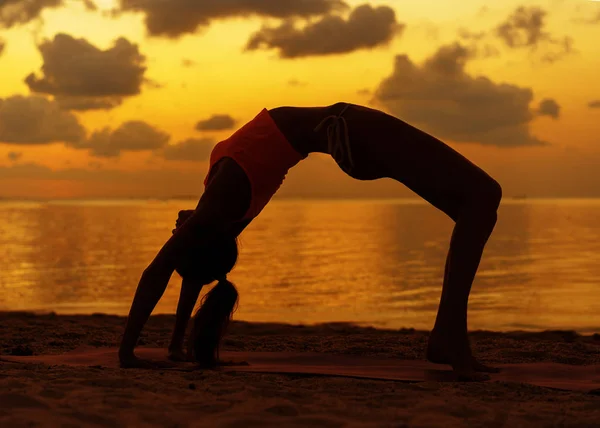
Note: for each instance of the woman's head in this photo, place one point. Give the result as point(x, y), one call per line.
point(206, 264)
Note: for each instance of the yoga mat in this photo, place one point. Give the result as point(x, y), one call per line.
point(551, 375)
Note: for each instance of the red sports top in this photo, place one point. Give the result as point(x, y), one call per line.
point(264, 153)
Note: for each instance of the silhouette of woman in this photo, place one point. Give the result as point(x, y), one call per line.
point(245, 172)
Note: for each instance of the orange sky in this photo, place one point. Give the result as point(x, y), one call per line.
point(224, 79)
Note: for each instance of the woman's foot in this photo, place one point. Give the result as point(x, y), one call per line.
point(177, 355)
point(456, 352)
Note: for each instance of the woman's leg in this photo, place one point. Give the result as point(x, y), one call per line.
point(457, 187)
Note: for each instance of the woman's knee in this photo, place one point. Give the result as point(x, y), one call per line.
point(494, 193)
point(488, 195)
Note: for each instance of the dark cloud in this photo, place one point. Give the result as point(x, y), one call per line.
point(594, 104)
point(366, 27)
point(18, 12)
point(90, 5)
point(525, 28)
point(440, 97)
point(81, 103)
point(549, 107)
point(131, 136)
point(37, 120)
point(192, 149)
point(2, 46)
point(173, 18)
point(363, 92)
point(217, 122)
point(83, 77)
point(14, 156)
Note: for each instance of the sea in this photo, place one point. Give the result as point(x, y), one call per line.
point(376, 263)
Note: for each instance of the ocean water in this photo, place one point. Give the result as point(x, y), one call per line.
point(376, 263)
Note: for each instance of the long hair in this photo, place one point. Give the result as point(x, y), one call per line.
point(210, 322)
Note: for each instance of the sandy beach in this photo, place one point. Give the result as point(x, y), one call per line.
point(36, 395)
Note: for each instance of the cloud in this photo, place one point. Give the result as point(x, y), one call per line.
point(217, 122)
point(174, 18)
point(18, 12)
point(81, 103)
point(443, 99)
point(296, 83)
point(366, 27)
point(15, 12)
point(487, 51)
point(549, 107)
point(525, 28)
point(131, 136)
point(37, 120)
point(90, 5)
point(566, 45)
point(594, 104)
point(186, 62)
point(2, 46)
point(84, 77)
point(467, 34)
point(14, 156)
point(477, 43)
point(192, 149)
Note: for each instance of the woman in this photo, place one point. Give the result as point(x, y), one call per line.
point(247, 169)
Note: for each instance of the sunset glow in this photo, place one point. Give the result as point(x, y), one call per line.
point(104, 66)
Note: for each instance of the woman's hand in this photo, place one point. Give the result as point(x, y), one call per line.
point(182, 218)
point(178, 355)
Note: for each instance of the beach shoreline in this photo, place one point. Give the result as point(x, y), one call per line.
point(35, 395)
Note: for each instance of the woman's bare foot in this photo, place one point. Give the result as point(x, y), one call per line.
point(177, 355)
point(443, 349)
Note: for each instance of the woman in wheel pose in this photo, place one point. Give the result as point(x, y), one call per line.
point(248, 168)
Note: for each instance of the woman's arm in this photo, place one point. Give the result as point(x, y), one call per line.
point(150, 289)
point(153, 283)
point(190, 290)
point(224, 201)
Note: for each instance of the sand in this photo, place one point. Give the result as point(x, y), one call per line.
point(38, 395)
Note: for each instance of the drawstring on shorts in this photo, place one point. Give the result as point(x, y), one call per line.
point(339, 150)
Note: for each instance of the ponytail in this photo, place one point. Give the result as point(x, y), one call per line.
point(211, 322)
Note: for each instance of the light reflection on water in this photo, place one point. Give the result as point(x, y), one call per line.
point(372, 262)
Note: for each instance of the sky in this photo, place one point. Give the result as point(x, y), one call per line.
point(125, 98)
